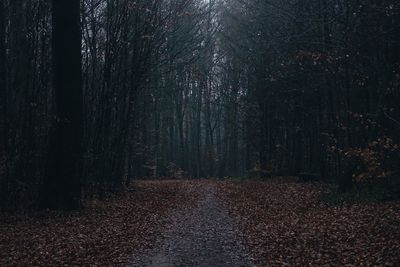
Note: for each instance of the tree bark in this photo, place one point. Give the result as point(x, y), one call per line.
point(62, 184)
point(3, 110)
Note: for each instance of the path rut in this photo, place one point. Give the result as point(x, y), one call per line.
point(202, 235)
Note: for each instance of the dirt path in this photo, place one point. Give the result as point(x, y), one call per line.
point(206, 223)
point(203, 235)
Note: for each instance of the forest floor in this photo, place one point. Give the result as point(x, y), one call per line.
point(208, 223)
point(204, 234)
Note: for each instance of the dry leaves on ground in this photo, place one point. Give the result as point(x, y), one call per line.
point(286, 223)
point(106, 233)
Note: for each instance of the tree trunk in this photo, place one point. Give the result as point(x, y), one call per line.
point(3, 111)
point(62, 184)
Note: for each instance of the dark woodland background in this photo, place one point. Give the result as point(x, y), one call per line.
point(95, 93)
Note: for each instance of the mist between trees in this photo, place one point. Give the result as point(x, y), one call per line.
point(194, 89)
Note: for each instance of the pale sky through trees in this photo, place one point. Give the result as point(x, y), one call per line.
point(276, 122)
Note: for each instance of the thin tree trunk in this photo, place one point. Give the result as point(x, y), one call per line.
point(3, 110)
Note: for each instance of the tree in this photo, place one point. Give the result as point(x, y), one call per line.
point(3, 111)
point(62, 185)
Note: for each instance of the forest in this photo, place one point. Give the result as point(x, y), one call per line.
point(200, 132)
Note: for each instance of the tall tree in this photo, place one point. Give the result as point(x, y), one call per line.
point(3, 102)
point(62, 186)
